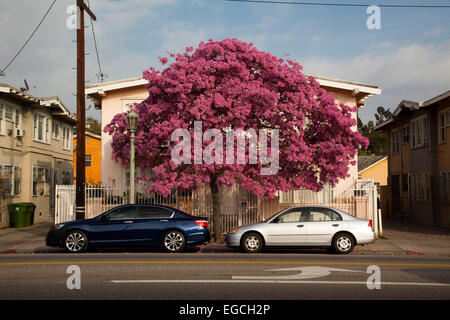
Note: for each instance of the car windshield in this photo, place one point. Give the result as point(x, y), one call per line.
point(267, 220)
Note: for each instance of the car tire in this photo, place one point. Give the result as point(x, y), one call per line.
point(252, 243)
point(174, 241)
point(75, 241)
point(343, 243)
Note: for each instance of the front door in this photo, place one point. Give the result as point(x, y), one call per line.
point(288, 229)
point(115, 229)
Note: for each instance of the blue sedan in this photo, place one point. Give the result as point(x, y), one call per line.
point(132, 225)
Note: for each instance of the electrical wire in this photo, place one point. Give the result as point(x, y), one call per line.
point(341, 4)
point(28, 40)
point(100, 73)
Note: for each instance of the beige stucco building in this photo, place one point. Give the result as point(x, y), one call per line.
point(116, 96)
point(35, 151)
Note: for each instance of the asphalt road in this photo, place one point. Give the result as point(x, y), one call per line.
point(267, 276)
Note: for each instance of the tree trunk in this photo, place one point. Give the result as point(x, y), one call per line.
point(217, 210)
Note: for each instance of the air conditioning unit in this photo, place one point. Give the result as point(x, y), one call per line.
point(20, 133)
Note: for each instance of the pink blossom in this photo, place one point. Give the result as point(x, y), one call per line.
point(231, 83)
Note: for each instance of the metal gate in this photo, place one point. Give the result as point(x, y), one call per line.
point(64, 203)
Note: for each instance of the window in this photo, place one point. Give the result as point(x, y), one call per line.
point(88, 161)
point(66, 137)
point(324, 214)
point(66, 177)
point(420, 187)
point(41, 128)
point(55, 130)
point(8, 113)
point(41, 181)
point(445, 186)
point(444, 122)
point(150, 212)
point(17, 122)
point(294, 215)
point(395, 141)
point(123, 213)
point(419, 132)
point(405, 134)
point(405, 182)
point(10, 177)
point(2, 120)
point(395, 182)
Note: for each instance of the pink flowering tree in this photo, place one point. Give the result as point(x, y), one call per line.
point(230, 84)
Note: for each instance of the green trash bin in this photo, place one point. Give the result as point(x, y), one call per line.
point(17, 216)
point(21, 214)
point(29, 208)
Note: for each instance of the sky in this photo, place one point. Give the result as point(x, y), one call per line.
point(408, 58)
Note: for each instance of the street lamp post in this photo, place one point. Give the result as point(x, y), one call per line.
point(132, 119)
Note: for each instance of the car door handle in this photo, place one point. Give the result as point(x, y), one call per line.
point(300, 225)
point(335, 225)
point(130, 221)
point(164, 220)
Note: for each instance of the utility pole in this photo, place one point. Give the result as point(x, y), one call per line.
point(81, 112)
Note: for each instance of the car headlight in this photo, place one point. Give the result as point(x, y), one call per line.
point(59, 226)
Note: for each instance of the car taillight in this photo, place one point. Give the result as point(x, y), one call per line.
point(370, 223)
point(202, 223)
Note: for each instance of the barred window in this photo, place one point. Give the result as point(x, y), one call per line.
point(10, 178)
point(41, 181)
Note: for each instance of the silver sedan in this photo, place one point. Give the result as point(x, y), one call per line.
point(312, 226)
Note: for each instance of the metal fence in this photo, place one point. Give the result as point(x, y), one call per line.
point(239, 207)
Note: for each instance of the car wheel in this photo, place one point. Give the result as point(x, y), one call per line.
point(76, 241)
point(343, 243)
point(174, 241)
point(252, 243)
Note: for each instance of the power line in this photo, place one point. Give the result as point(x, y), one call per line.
point(100, 73)
point(340, 4)
point(29, 38)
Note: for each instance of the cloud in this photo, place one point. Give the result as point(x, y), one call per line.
point(415, 72)
point(436, 32)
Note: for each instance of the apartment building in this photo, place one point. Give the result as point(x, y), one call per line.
point(35, 151)
point(419, 160)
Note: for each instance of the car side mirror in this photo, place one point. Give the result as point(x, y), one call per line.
point(276, 220)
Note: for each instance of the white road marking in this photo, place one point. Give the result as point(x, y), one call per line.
point(306, 273)
point(421, 284)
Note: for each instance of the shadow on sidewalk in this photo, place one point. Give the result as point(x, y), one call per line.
point(400, 230)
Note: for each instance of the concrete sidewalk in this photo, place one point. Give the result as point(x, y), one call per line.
point(399, 239)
